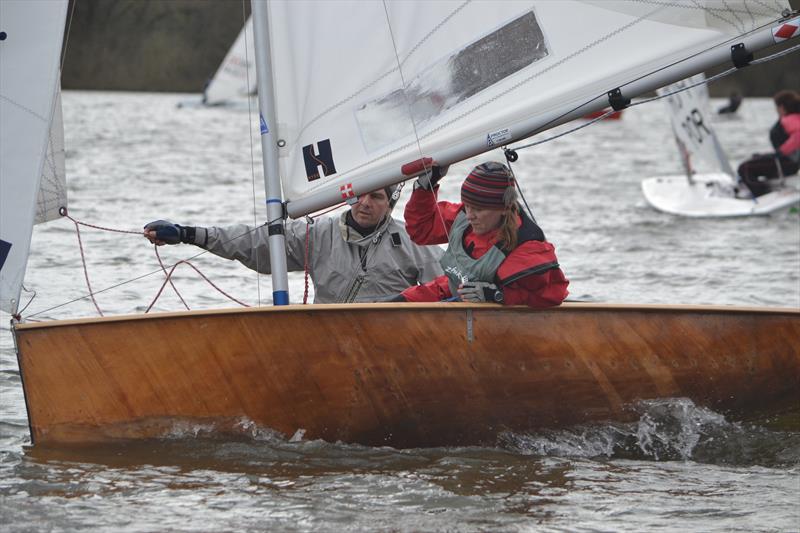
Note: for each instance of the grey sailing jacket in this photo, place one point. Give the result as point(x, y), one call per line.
point(344, 265)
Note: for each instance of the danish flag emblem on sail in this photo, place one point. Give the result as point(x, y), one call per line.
point(347, 191)
point(786, 31)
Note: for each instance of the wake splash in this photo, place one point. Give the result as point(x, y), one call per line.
point(666, 430)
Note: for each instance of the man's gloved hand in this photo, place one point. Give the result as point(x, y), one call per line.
point(431, 177)
point(480, 291)
point(164, 232)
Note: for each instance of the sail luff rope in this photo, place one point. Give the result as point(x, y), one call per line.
point(250, 139)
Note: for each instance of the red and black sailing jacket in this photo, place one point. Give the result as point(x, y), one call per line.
point(530, 274)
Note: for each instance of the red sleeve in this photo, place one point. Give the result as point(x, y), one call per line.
point(537, 290)
point(791, 125)
point(434, 291)
point(533, 276)
point(429, 222)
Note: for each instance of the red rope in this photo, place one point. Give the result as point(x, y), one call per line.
point(201, 275)
point(83, 260)
point(310, 221)
point(64, 213)
point(305, 264)
point(164, 269)
point(168, 275)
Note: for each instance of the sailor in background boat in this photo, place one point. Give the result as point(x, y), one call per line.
point(495, 252)
point(734, 101)
point(785, 138)
point(363, 256)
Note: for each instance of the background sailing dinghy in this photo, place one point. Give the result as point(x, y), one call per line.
point(715, 194)
point(468, 78)
point(234, 82)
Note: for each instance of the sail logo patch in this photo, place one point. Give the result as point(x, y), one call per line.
point(263, 124)
point(322, 158)
point(4, 249)
point(787, 30)
point(498, 137)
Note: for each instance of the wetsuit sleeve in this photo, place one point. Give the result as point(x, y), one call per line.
point(429, 222)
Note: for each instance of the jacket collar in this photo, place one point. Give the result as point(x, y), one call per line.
point(352, 235)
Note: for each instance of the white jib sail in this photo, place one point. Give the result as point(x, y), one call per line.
point(30, 51)
point(236, 75)
point(690, 116)
point(53, 186)
point(363, 88)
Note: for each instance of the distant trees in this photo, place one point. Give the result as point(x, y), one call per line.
point(176, 45)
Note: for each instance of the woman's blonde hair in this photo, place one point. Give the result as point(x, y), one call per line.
point(507, 234)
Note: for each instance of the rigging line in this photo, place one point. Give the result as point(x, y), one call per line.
point(572, 130)
point(19, 313)
point(408, 103)
point(706, 81)
point(519, 189)
point(765, 25)
point(250, 123)
point(138, 278)
point(718, 76)
point(66, 37)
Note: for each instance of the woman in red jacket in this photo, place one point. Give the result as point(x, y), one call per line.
point(785, 138)
point(495, 253)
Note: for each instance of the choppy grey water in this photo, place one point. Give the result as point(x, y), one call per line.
point(132, 158)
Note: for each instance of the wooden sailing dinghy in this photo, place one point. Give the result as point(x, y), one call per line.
point(347, 108)
point(404, 375)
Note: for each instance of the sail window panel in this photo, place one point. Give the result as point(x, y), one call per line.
point(451, 80)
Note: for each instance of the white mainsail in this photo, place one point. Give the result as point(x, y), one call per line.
point(690, 116)
point(236, 75)
point(30, 54)
point(363, 88)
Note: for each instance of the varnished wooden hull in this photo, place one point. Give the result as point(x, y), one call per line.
point(404, 375)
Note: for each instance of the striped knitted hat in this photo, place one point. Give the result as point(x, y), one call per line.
point(486, 186)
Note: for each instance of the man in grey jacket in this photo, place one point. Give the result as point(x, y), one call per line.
point(363, 256)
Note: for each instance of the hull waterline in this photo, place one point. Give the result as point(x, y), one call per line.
point(405, 375)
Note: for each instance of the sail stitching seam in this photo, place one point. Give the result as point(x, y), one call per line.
point(382, 77)
point(16, 104)
point(530, 78)
point(509, 90)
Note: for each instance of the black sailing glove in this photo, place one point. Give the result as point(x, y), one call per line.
point(431, 177)
point(169, 233)
point(480, 291)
